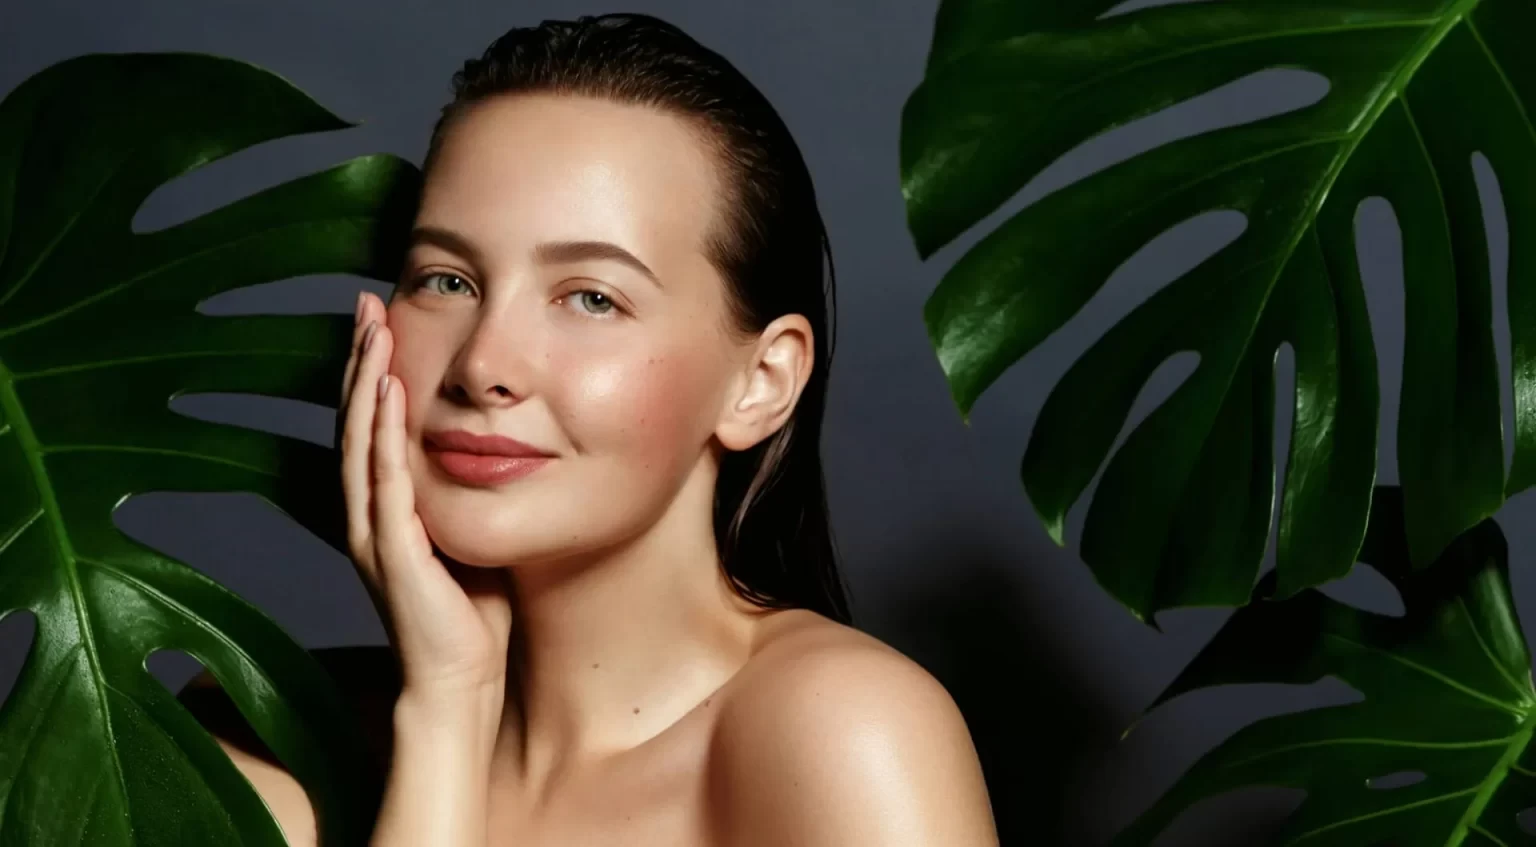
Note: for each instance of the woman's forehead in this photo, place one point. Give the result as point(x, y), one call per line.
point(513, 145)
point(566, 168)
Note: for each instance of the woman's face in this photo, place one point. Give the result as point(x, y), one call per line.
point(557, 292)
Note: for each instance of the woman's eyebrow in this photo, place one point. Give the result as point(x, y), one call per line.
point(549, 252)
point(445, 239)
point(559, 252)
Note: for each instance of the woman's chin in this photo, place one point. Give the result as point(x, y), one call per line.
point(471, 544)
point(479, 541)
point(481, 545)
point(489, 532)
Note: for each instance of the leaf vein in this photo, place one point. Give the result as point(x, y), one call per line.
point(1488, 835)
point(56, 686)
point(1206, 46)
point(160, 357)
point(157, 451)
point(15, 533)
point(165, 266)
point(1498, 68)
point(1381, 812)
point(1379, 742)
point(1477, 635)
point(1433, 674)
point(48, 250)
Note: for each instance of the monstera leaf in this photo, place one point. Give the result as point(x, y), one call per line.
point(99, 329)
point(1448, 696)
point(1182, 512)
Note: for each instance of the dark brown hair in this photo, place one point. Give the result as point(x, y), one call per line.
point(771, 523)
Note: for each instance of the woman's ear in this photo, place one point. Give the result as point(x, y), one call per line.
point(771, 380)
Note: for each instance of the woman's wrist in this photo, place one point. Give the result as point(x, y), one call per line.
point(472, 710)
point(465, 722)
point(438, 785)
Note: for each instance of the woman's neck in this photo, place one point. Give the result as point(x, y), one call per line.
point(609, 653)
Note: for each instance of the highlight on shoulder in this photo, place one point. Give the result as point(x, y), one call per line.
point(833, 737)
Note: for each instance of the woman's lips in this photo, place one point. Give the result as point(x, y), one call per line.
point(476, 469)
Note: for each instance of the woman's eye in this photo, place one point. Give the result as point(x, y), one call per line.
point(427, 282)
point(594, 302)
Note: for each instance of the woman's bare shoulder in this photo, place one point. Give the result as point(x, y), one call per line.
point(368, 677)
point(798, 645)
point(831, 736)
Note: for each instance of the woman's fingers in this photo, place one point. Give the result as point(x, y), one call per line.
point(359, 326)
point(349, 375)
point(367, 313)
point(357, 446)
point(401, 546)
point(393, 499)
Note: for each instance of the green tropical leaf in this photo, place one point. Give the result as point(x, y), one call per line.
point(1447, 690)
point(1182, 513)
point(99, 330)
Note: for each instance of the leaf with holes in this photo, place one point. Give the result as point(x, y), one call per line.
point(1447, 690)
point(99, 330)
point(1182, 512)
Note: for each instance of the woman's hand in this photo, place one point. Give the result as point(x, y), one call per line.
point(448, 623)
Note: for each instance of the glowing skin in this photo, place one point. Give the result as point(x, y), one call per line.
point(623, 377)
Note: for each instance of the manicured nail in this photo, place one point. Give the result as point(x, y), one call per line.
point(357, 313)
point(368, 334)
point(383, 386)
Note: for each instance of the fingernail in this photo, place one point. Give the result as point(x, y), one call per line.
point(357, 313)
point(368, 334)
point(383, 386)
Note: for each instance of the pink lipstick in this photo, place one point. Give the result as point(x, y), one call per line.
point(483, 459)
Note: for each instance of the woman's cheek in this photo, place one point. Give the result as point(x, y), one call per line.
point(424, 347)
point(650, 407)
point(412, 368)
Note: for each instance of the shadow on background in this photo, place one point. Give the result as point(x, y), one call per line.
point(1033, 717)
point(1040, 723)
point(1247, 817)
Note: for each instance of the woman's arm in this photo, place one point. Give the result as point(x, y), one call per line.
point(438, 777)
point(847, 746)
point(435, 752)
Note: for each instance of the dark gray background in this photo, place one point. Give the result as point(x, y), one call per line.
point(944, 555)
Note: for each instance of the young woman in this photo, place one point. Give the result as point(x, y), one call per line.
point(580, 458)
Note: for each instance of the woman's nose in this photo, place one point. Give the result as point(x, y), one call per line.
point(490, 368)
